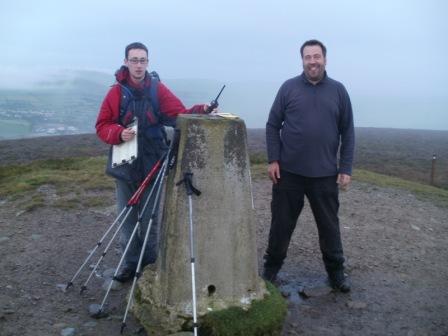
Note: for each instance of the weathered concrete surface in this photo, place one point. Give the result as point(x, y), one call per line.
point(215, 151)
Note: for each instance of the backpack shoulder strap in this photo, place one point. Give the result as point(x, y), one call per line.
point(153, 92)
point(125, 99)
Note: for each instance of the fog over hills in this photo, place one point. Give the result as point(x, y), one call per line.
point(68, 102)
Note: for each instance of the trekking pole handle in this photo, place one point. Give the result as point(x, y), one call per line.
point(187, 181)
point(138, 194)
point(175, 148)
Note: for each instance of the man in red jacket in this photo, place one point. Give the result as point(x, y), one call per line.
point(132, 97)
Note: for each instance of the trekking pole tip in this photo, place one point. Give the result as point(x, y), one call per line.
point(123, 325)
point(69, 284)
point(83, 288)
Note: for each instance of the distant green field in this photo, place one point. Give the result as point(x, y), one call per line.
point(14, 128)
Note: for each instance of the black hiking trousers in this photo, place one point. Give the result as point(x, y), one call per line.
point(286, 206)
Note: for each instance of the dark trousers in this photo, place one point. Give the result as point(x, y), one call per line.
point(125, 191)
point(287, 203)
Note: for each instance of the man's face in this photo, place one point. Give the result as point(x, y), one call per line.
point(137, 62)
point(313, 63)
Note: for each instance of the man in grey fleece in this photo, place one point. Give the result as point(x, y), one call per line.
point(310, 120)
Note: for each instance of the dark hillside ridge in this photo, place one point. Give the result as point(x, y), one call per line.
point(50, 147)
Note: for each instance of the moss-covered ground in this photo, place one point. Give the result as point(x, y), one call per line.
point(265, 317)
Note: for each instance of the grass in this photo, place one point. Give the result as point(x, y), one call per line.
point(258, 157)
point(424, 192)
point(78, 176)
point(33, 203)
point(438, 196)
point(72, 178)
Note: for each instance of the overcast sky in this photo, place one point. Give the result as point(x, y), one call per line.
point(389, 50)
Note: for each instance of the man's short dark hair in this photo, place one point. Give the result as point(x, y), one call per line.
point(135, 45)
point(313, 43)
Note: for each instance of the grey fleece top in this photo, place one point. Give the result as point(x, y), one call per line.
point(306, 126)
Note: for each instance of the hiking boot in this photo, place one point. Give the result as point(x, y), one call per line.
point(269, 274)
point(125, 275)
point(339, 282)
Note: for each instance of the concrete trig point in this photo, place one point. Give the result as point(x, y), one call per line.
point(214, 149)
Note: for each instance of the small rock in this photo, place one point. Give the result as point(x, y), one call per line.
point(2, 239)
point(68, 332)
point(314, 291)
point(140, 330)
point(8, 286)
point(36, 236)
point(8, 311)
point(91, 324)
point(356, 304)
point(62, 287)
point(115, 285)
point(109, 273)
point(95, 312)
point(416, 228)
point(21, 212)
point(285, 293)
point(59, 325)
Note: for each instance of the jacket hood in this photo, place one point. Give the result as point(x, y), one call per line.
point(122, 74)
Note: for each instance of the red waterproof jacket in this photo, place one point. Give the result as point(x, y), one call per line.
point(107, 125)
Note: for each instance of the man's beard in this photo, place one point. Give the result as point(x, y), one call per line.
point(315, 74)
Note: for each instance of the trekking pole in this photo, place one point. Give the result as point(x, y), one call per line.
point(131, 203)
point(169, 163)
point(158, 178)
point(98, 244)
point(134, 200)
point(140, 260)
point(187, 180)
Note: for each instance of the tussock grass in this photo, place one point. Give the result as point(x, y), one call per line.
point(80, 175)
point(34, 202)
point(258, 157)
point(422, 191)
point(259, 171)
point(72, 179)
point(65, 174)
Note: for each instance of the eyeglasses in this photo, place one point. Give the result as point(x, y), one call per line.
point(136, 60)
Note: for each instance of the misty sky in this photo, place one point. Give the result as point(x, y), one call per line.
point(390, 55)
